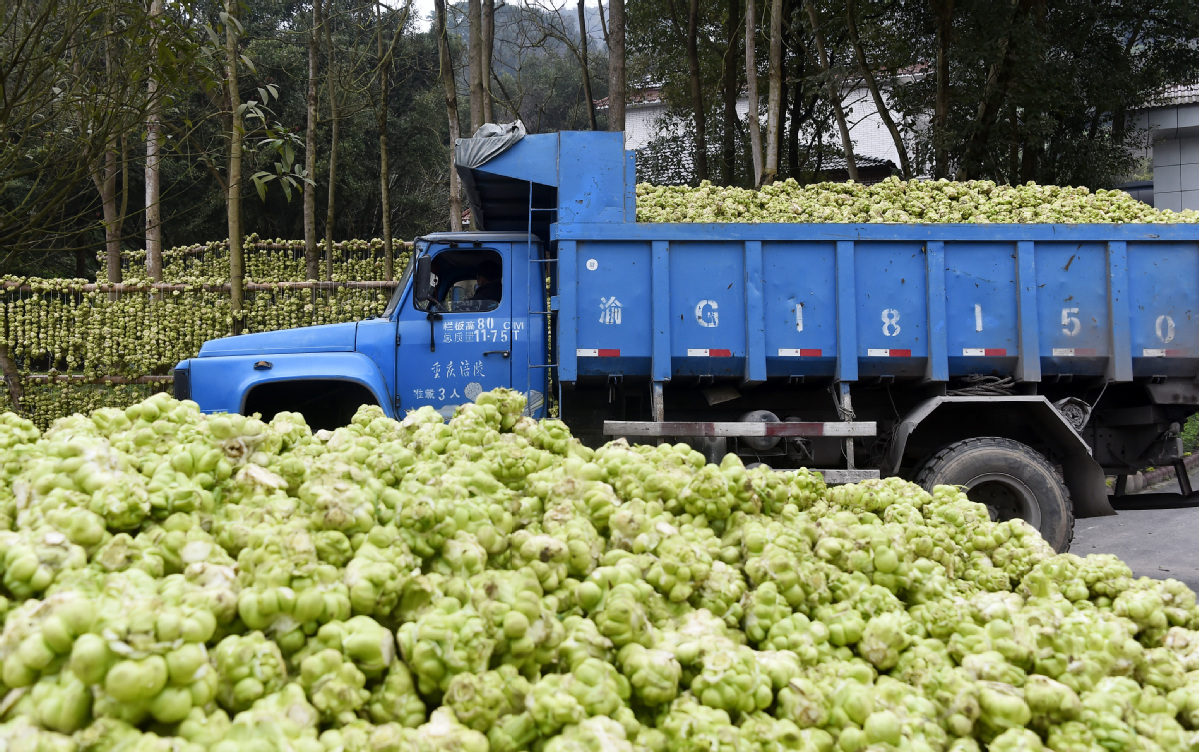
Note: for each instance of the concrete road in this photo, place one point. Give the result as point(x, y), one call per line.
point(1155, 532)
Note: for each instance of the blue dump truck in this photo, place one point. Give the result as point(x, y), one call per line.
point(1024, 362)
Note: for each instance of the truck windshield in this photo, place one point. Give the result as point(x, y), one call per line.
point(421, 247)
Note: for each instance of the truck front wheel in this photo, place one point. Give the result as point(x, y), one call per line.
point(1011, 479)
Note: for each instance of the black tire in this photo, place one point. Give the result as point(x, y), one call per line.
point(1011, 479)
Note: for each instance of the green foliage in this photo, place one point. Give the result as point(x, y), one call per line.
point(1044, 92)
point(48, 200)
point(1041, 91)
point(75, 82)
point(1190, 433)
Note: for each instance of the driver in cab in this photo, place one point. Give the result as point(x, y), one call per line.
point(489, 286)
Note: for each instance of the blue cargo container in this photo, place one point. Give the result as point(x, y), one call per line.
point(1001, 357)
point(925, 303)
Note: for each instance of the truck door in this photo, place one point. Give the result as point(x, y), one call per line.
point(451, 351)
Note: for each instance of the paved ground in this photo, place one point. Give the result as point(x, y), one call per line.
point(1155, 532)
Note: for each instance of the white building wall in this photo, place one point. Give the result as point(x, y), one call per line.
point(641, 123)
point(867, 129)
point(1172, 129)
point(1176, 171)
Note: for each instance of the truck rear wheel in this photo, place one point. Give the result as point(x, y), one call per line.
point(1011, 479)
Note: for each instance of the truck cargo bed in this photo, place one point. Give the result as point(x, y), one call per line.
point(862, 302)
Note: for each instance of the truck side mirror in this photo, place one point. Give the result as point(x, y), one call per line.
point(425, 281)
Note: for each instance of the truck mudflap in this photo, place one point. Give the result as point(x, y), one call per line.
point(1083, 476)
point(222, 383)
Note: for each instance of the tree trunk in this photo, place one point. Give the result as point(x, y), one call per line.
point(385, 58)
point(799, 98)
point(153, 161)
point(105, 179)
point(905, 167)
point(943, 13)
point(751, 85)
point(730, 79)
point(1119, 123)
point(995, 92)
point(795, 118)
point(1119, 114)
point(616, 69)
point(330, 213)
point(106, 183)
point(475, 58)
point(1013, 156)
point(488, 31)
point(603, 22)
point(781, 132)
point(12, 379)
point(697, 92)
point(233, 197)
point(774, 116)
point(451, 107)
point(1028, 161)
point(123, 210)
point(586, 69)
point(312, 257)
point(386, 62)
point(834, 92)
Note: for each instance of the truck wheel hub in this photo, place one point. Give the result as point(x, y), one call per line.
point(1005, 497)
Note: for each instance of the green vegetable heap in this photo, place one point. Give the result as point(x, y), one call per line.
point(177, 582)
point(894, 200)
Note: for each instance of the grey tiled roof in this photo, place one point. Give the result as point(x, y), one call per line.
point(861, 160)
point(1173, 96)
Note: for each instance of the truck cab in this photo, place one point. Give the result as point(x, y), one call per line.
point(470, 316)
point(440, 348)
